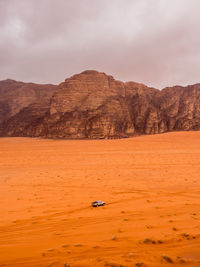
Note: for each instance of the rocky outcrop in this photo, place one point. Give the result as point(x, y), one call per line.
point(180, 107)
point(94, 105)
point(14, 96)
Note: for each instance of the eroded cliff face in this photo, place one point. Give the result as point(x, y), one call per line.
point(90, 105)
point(181, 107)
point(14, 96)
point(94, 105)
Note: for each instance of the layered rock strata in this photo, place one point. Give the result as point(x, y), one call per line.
point(95, 105)
point(18, 98)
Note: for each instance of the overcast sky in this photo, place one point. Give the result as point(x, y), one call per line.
point(156, 42)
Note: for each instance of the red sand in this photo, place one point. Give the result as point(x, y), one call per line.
point(151, 185)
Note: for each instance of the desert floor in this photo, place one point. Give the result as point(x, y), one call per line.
point(151, 185)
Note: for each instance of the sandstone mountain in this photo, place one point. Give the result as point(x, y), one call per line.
point(94, 105)
point(15, 96)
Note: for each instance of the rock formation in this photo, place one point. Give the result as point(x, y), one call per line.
point(17, 96)
point(94, 105)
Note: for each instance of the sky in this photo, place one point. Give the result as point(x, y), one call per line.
point(155, 42)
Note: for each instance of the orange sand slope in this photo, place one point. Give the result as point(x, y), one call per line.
point(151, 185)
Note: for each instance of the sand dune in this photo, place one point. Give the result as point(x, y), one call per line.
point(151, 185)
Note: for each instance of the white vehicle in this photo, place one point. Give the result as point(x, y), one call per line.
point(98, 203)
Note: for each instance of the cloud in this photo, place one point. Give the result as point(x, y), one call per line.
point(148, 41)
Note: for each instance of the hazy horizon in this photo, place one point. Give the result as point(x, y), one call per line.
point(151, 42)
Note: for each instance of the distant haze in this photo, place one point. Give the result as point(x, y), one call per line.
point(156, 42)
